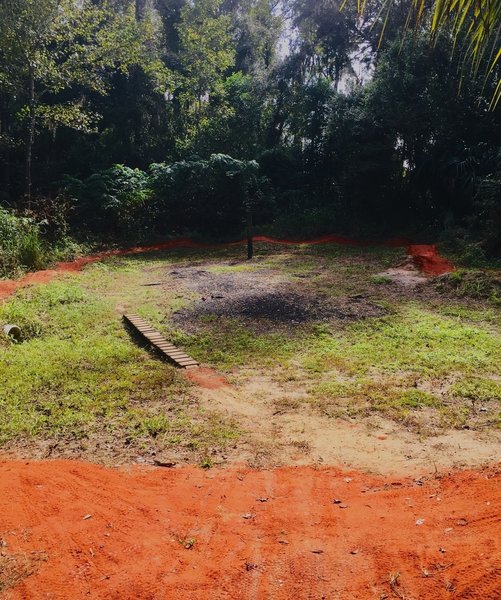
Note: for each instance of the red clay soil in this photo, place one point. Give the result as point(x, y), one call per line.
point(72, 530)
point(428, 260)
point(426, 256)
point(206, 378)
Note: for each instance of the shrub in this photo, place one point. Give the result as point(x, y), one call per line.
point(205, 195)
point(20, 244)
point(114, 201)
point(209, 196)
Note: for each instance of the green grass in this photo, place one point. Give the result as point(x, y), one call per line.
point(227, 345)
point(397, 365)
point(78, 373)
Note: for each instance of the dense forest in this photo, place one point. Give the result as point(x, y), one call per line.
point(131, 120)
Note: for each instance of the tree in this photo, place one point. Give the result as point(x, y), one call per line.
point(475, 26)
point(54, 52)
point(207, 51)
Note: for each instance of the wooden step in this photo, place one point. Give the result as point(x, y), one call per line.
point(153, 337)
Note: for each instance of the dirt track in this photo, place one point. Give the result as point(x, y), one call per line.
point(75, 530)
point(426, 257)
point(292, 533)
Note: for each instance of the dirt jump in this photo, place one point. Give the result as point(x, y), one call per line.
point(70, 529)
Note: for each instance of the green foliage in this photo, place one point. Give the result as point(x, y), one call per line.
point(207, 195)
point(54, 51)
point(207, 52)
point(210, 196)
point(20, 244)
point(113, 201)
point(354, 132)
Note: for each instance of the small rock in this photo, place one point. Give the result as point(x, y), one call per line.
point(420, 522)
point(164, 463)
point(462, 522)
point(336, 501)
point(353, 551)
point(87, 517)
point(248, 516)
point(317, 551)
point(343, 505)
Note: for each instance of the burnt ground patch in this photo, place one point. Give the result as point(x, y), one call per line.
point(262, 297)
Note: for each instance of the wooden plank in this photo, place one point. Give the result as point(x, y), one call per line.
point(176, 355)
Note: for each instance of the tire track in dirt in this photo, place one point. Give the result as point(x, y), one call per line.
point(297, 544)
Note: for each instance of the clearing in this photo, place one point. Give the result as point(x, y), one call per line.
point(316, 358)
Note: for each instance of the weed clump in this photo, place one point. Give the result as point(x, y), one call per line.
point(482, 285)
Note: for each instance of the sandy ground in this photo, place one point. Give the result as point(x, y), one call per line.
point(74, 530)
point(301, 436)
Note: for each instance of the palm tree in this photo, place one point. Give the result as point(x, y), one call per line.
point(478, 22)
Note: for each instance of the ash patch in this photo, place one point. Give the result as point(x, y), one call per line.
point(263, 298)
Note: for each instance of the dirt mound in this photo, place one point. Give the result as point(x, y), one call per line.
point(428, 260)
point(241, 534)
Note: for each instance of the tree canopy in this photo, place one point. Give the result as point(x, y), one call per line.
point(379, 114)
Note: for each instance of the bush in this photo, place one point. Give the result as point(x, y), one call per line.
point(114, 201)
point(20, 244)
point(210, 196)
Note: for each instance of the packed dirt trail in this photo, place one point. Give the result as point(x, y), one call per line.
point(426, 256)
point(73, 530)
point(305, 437)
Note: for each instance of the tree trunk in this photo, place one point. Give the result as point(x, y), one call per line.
point(31, 135)
point(250, 241)
point(4, 157)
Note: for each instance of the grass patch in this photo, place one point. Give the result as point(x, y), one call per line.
point(78, 374)
point(226, 344)
point(415, 340)
point(392, 365)
point(473, 284)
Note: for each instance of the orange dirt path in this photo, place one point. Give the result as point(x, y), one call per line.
point(426, 256)
point(77, 530)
